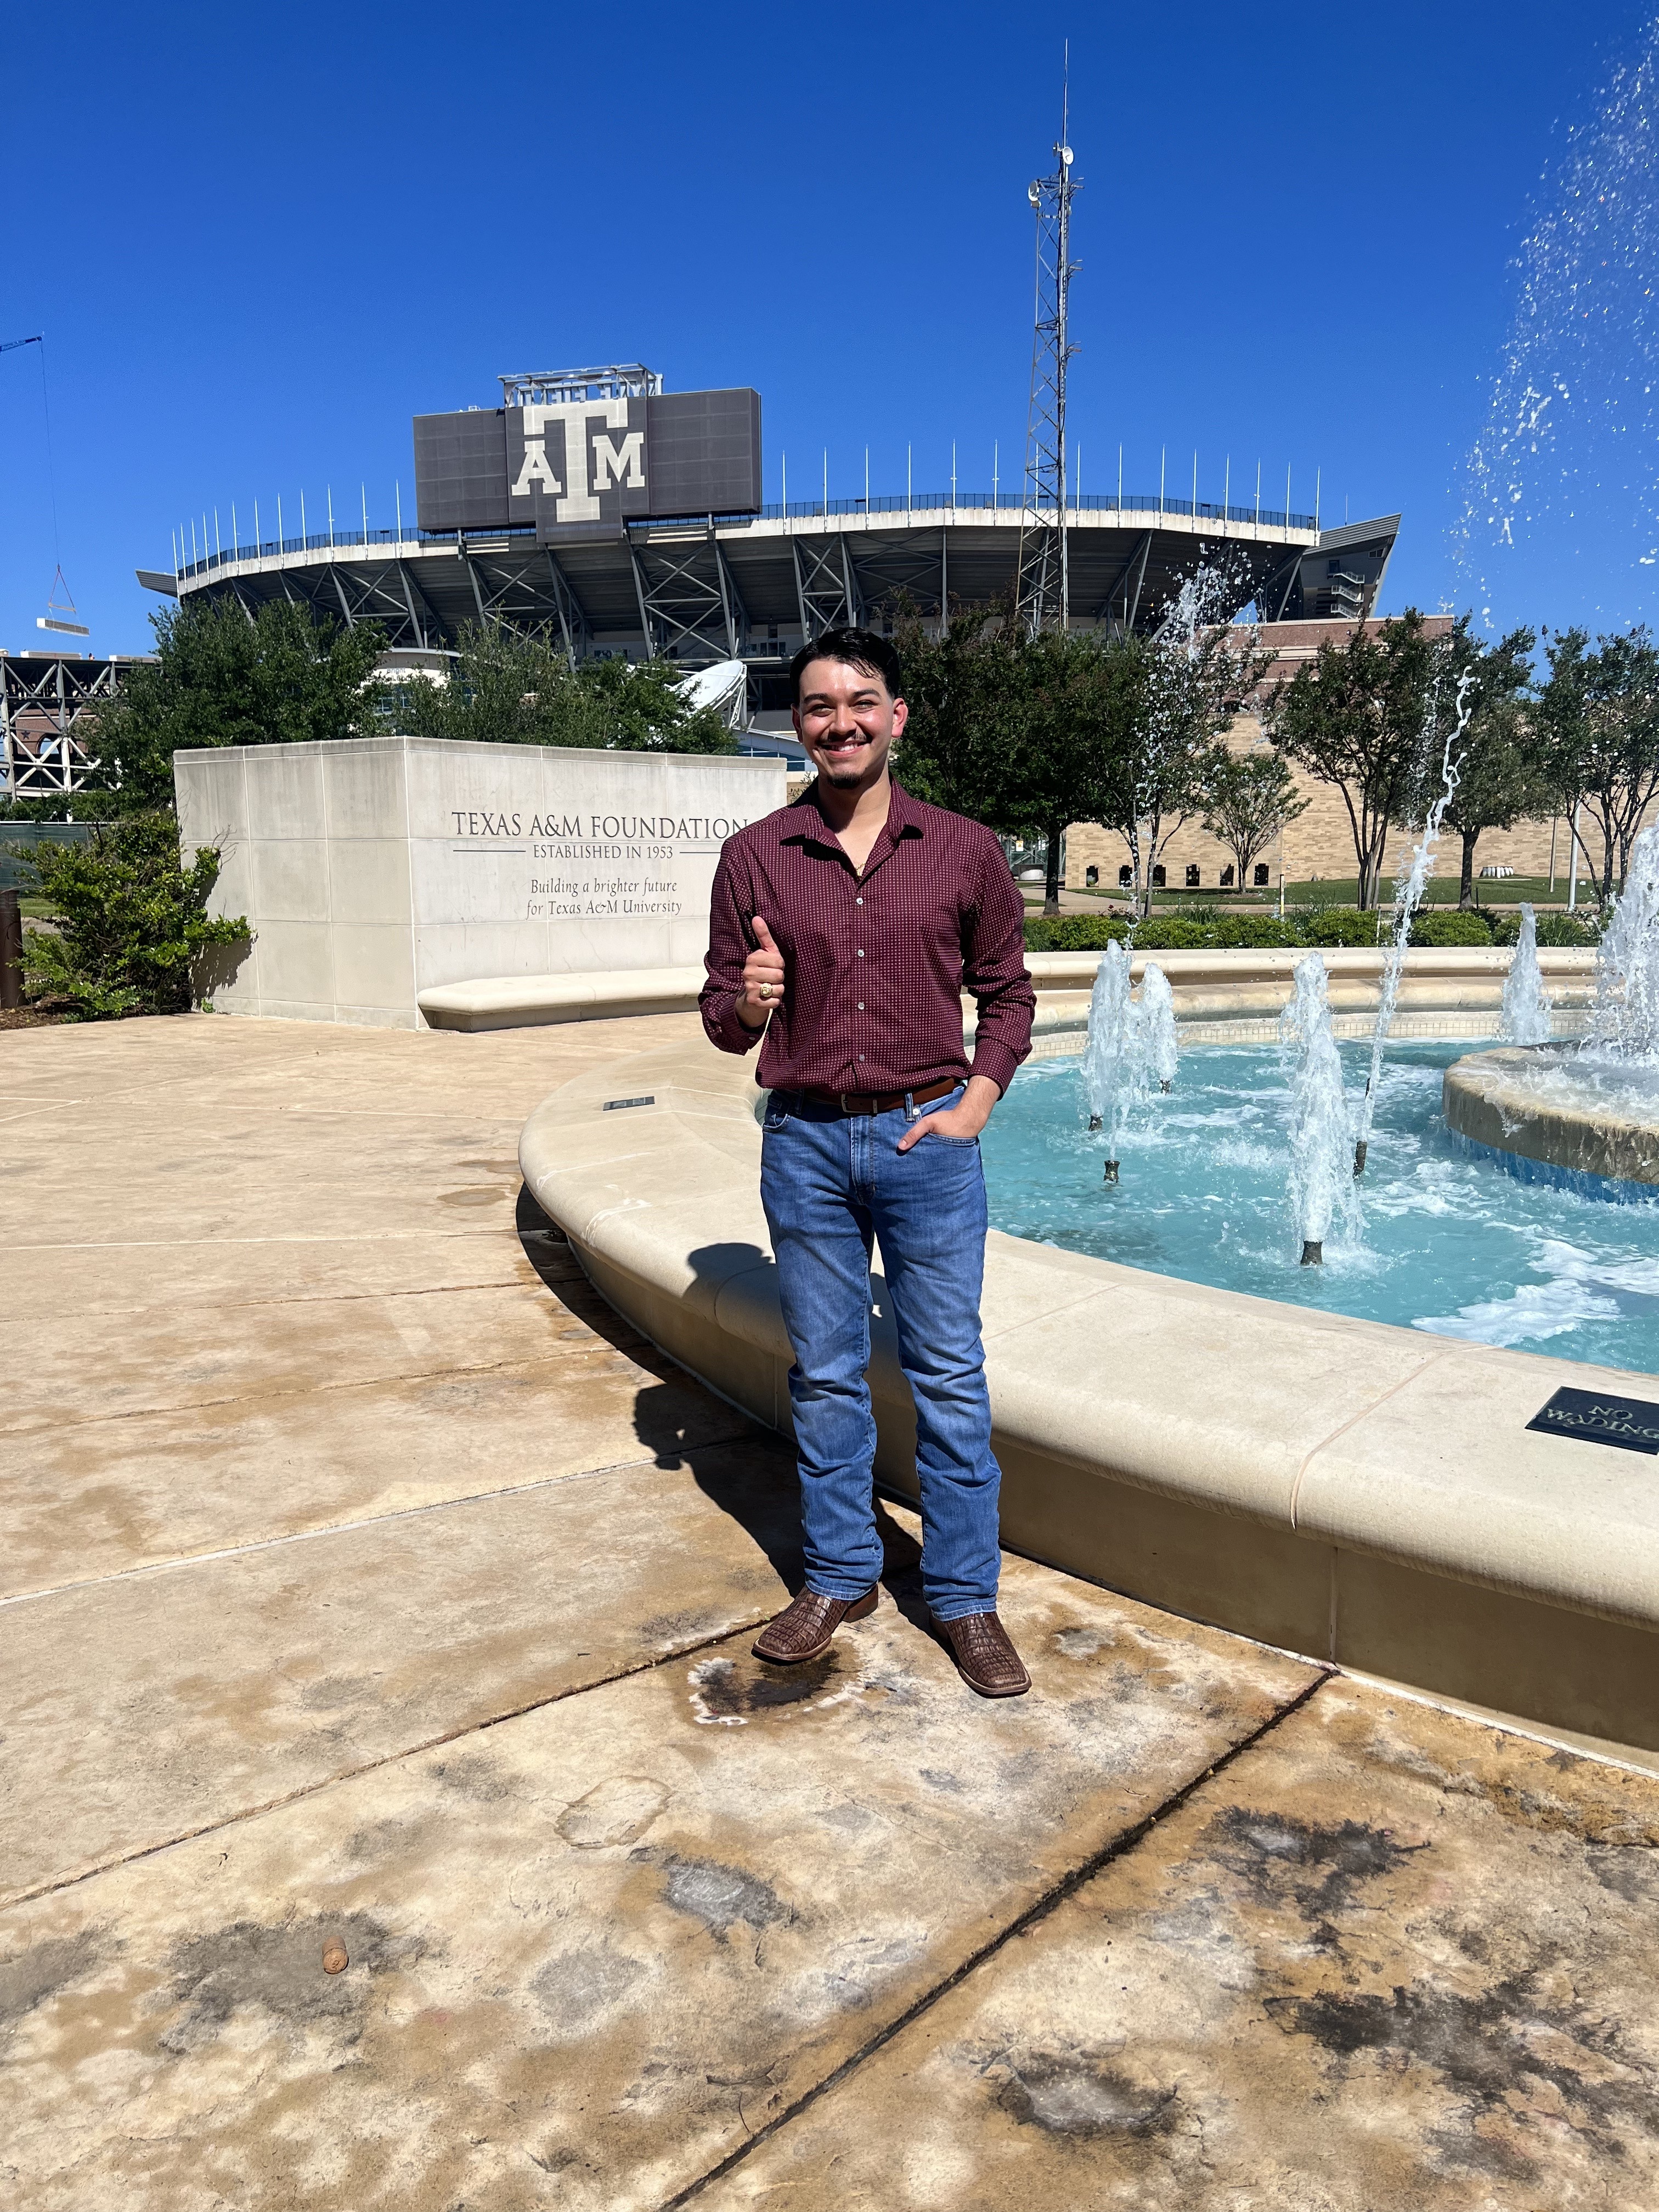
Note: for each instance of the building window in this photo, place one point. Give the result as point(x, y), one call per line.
point(1261, 877)
point(1091, 877)
point(1194, 879)
point(1158, 877)
point(1125, 876)
point(1227, 877)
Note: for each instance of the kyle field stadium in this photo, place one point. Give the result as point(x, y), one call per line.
point(626, 521)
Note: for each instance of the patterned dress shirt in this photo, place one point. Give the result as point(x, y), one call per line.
point(875, 965)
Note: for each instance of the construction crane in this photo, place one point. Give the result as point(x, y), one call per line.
point(54, 618)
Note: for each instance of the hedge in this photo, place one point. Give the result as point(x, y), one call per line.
point(1324, 926)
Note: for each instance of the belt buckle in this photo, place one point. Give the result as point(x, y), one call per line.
point(843, 1096)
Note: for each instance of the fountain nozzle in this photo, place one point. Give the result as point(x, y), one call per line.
point(1359, 1158)
point(1313, 1253)
point(1111, 1170)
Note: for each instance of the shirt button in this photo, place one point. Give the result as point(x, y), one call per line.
point(860, 953)
point(860, 1005)
point(857, 901)
point(861, 1056)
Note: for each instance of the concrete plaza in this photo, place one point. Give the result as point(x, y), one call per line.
point(365, 1581)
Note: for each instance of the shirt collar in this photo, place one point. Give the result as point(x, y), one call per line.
point(804, 817)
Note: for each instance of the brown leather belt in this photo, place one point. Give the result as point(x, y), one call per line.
point(881, 1102)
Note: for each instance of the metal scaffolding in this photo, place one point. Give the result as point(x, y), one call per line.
point(48, 706)
point(1042, 599)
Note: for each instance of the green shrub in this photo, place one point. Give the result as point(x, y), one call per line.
point(1073, 932)
point(1555, 929)
point(1336, 925)
point(1450, 925)
point(134, 936)
point(1260, 932)
point(1174, 935)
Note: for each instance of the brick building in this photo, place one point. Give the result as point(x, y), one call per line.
point(1318, 843)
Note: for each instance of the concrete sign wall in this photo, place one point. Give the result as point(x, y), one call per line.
point(375, 868)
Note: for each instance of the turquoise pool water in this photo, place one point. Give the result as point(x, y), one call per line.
point(1445, 1241)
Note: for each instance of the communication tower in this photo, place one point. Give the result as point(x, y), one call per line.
point(1040, 593)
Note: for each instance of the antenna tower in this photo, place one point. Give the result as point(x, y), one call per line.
point(1040, 593)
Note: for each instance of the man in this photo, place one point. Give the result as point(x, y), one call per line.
point(844, 929)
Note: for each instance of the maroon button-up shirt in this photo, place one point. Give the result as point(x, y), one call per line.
point(875, 965)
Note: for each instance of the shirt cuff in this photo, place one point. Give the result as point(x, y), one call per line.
point(996, 1059)
point(731, 1034)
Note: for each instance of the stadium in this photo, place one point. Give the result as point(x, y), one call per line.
point(621, 518)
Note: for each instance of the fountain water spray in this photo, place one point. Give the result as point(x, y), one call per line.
point(1111, 1057)
point(1131, 1044)
point(1319, 1185)
point(1409, 888)
point(1624, 1024)
point(1526, 1016)
point(1158, 1025)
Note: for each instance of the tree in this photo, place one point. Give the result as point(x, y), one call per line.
point(222, 676)
point(1598, 718)
point(1500, 774)
point(133, 935)
point(1026, 734)
point(1248, 800)
point(1353, 717)
point(1194, 687)
point(512, 689)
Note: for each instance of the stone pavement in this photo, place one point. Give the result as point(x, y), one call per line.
point(364, 1581)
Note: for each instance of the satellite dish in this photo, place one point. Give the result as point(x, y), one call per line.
point(724, 687)
point(1032, 194)
point(1066, 155)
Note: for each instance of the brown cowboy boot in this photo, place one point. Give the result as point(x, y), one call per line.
point(804, 1629)
point(985, 1657)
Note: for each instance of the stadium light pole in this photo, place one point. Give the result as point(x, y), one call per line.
point(1043, 590)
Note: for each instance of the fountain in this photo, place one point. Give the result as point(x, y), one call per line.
point(1409, 887)
point(1131, 1043)
point(1586, 1115)
point(1526, 1016)
point(1158, 1025)
point(1320, 1184)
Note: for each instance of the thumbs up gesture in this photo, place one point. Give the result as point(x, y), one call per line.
point(762, 979)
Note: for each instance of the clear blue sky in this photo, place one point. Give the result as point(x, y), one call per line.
point(260, 240)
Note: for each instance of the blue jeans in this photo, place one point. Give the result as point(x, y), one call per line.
point(831, 1182)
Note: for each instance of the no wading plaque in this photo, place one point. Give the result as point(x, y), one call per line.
point(1628, 1424)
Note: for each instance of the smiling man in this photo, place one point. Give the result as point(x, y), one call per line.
point(844, 929)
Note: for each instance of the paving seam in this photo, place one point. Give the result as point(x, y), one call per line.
point(1364, 1412)
point(56, 1426)
point(371, 1521)
point(1065, 1887)
point(390, 1758)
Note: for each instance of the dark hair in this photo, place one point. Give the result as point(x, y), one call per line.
point(859, 648)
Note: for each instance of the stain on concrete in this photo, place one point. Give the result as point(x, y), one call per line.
point(720, 1896)
point(1318, 1866)
point(334, 1691)
point(472, 1775)
point(575, 1987)
point(471, 1196)
point(40, 1972)
point(732, 1692)
point(1072, 2094)
point(1631, 1872)
point(279, 1970)
point(617, 1811)
point(1494, 2050)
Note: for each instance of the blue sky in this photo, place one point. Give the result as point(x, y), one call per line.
point(258, 241)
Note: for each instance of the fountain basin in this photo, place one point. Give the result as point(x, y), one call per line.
point(1364, 1493)
point(1551, 1113)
